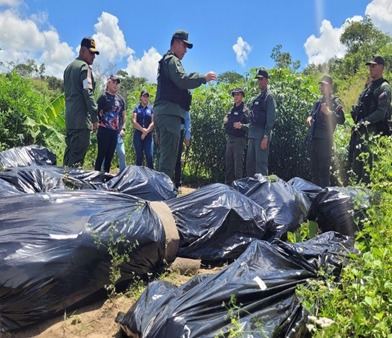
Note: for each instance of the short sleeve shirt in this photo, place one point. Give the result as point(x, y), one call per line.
point(110, 108)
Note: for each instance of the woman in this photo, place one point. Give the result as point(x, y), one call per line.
point(143, 122)
point(111, 106)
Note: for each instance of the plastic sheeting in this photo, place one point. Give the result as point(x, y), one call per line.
point(262, 281)
point(49, 253)
point(143, 182)
point(26, 156)
point(286, 208)
point(216, 223)
point(338, 209)
point(34, 179)
point(309, 189)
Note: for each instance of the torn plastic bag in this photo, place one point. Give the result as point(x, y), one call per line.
point(54, 249)
point(285, 207)
point(26, 156)
point(34, 179)
point(309, 189)
point(143, 182)
point(216, 223)
point(257, 290)
point(339, 209)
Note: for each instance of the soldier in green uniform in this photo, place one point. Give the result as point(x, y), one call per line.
point(371, 116)
point(326, 114)
point(236, 124)
point(80, 107)
point(262, 120)
point(173, 100)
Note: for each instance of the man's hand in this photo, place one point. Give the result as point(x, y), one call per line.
point(187, 142)
point(309, 121)
point(264, 143)
point(237, 125)
point(210, 76)
point(95, 127)
point(325, 109)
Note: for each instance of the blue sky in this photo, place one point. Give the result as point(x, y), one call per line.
point(133, 35)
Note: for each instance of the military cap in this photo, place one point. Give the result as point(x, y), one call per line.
point(262, 72)
point(144, 92)
point(377, 60)
point(237, 90)
point(182, 35)
point(326, 79)
point(89, 43)
point(114, 78)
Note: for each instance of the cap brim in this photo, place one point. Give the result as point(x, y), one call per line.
point(188, 44)
point(371, 63)
point(93, 51)
point(324, 82)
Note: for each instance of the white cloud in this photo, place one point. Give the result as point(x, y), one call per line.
point(146, 66)
point(241, 50)
point(327, 45)
point(10, 3)
point(21, 39)
point(380, 11)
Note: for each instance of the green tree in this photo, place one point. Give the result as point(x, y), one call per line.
point(284, 59)
point(230, 77)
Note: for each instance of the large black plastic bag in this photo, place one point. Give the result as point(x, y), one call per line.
point(25, 156)
point(286, 208)
point(7, 189)
point(34, 179)
point(309, 189)
point(49, 254)
point(216, 223)
point(339, 209)
point(143, 182)
point(262, 280)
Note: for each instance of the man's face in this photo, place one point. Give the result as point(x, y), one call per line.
point(325, 89)
point(87, 56)
point(263, 82)
point(180, 48)
point(376, 70)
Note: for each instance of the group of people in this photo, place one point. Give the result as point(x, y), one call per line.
point(170, 118)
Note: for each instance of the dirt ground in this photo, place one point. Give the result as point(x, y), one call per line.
point(92, 321)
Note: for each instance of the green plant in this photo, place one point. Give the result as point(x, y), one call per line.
point(119, 249)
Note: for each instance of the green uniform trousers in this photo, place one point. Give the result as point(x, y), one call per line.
point(234, 158)
point(256, 158)
point(168, 128)
point(77, 142)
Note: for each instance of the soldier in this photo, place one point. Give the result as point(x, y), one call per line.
point(370, 116)
point(326, 114)
point(81, 115)
point(236, 124)
point(173, 100)
point(262, 120)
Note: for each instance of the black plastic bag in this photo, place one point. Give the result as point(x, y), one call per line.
point(309, 189)
point(143, 182)
point(216, 223)
point(54, 249)
point(339, 209)
point(259, 288)
point(26, 156)
point(286, 208)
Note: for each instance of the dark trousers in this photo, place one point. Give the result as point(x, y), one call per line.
point(77, 142)
point(320, 161)
point(168, 128)
point(107, 141)
point(234, 158)
point(146, 147)
point(178, 169)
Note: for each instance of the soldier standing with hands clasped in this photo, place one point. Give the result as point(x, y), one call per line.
point(326, 114)
point(236, 124)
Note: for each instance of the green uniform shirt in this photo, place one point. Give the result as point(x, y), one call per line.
point(176, 73)
point(80, 105)
point(257, 132)
point(383, 97)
